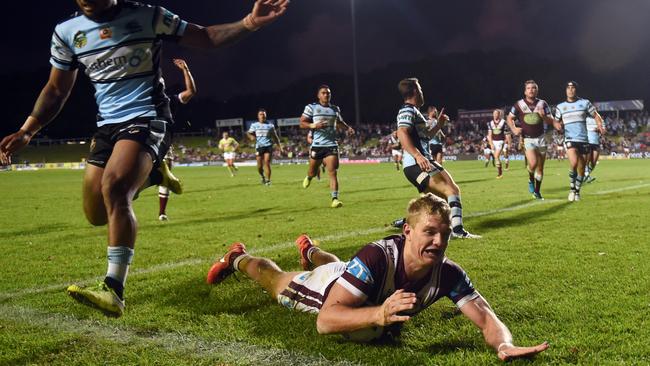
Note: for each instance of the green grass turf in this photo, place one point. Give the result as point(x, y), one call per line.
point(573, 274)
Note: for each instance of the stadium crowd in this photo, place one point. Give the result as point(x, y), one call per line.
point(626, 132)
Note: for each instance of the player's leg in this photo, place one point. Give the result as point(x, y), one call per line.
point(539, 172)
point(268, 156)
point(439, 157)
point(580, 169)
point(531, 159)
point(260, 165)
point(572, 155)
point(497, 158)
point(332, 166)
point(312, 256)
point(442, 184)
point(312, 170)
point(93, 202)
point(163, 196)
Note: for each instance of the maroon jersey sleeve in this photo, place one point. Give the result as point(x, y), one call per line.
point(365, 272)
point(456, 285)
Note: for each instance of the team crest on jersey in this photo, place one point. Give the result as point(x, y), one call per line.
point(105, 33)
point(359, 270)
point(80, 40)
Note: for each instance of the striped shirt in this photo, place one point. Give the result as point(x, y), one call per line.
point(330, 115)
point(574, 117)
point(121, 58)
point(411, 118)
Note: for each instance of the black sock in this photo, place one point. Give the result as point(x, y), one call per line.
point(116, 286)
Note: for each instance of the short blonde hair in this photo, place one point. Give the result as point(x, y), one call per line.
point(428, 204)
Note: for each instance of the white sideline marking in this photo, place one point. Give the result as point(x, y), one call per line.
point(231, 352)
point(623, 189)
point(174, 265)
point(513, 208)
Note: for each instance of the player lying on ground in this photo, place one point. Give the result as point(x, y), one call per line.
point(385, 284)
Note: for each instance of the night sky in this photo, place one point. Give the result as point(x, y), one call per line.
point(314, 36)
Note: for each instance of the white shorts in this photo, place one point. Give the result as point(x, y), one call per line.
point(396, 152)
point(505, 147)
point(307, 289)
point(487, 151)
point(537, 143)
point(498, 145)
point(229, 155)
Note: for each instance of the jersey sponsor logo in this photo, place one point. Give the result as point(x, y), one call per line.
point(80, 40)
point(119, 62)
point(359, 270)
point(105, 33)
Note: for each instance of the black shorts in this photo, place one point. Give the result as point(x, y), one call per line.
point(435, 149)
point(152, 133)
point(581, 147)
point(420, 179)
point(594, 147)
point(260, 151)
point(320, 153)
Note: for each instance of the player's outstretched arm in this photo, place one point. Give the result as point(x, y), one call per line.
point(47, 106)
point(343, 312)
point(264, 13)
point(496, 333)
point(190, 86)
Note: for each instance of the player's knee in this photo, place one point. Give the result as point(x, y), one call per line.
point(96, 218)
point(115, 189)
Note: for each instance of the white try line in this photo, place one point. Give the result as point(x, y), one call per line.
point(238, 353)
point(189, 262)
point(513, 208)
point(624, 189)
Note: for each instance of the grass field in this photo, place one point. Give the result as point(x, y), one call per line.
point(574, 274)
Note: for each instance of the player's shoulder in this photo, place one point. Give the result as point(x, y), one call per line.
point(70, 23)
point(451, 269)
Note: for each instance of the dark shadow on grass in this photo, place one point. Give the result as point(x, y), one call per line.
point(473, 181)
point(518, 219)
point(449, 346)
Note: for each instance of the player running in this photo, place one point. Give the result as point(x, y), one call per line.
point(264, 134)
point(117, 45)
point(176, 100)
point(593, 134)
point(396, 149)
point(487, 152)
point(532, 113)
point(386, 283)
point(496, 138)
point(229, 146)
point(573, 114)
point(427, 175)
point(435, 143)
point(324, 119)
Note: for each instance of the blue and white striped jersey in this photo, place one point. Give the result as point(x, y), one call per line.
point(437, 138)
point(121, 57)
point(263, 133)
point(574, 115)
point(331, 114)
point(411, 118)
point(592, 125)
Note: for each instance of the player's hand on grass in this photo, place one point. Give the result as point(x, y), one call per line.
point(11, 144)
point(424, 164)
point(394, 304)
point(508, 351)
point(266, 12)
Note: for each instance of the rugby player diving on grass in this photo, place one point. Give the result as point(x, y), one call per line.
point(384, 285)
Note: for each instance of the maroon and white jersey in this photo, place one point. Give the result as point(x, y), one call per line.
point(377, 270)
point(531, 116)
point(498, 129)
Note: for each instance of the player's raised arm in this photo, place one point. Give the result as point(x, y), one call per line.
point(496, 333)
point(264, 13)
point(343, 312)
point(190, 87)
point(49, 103)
